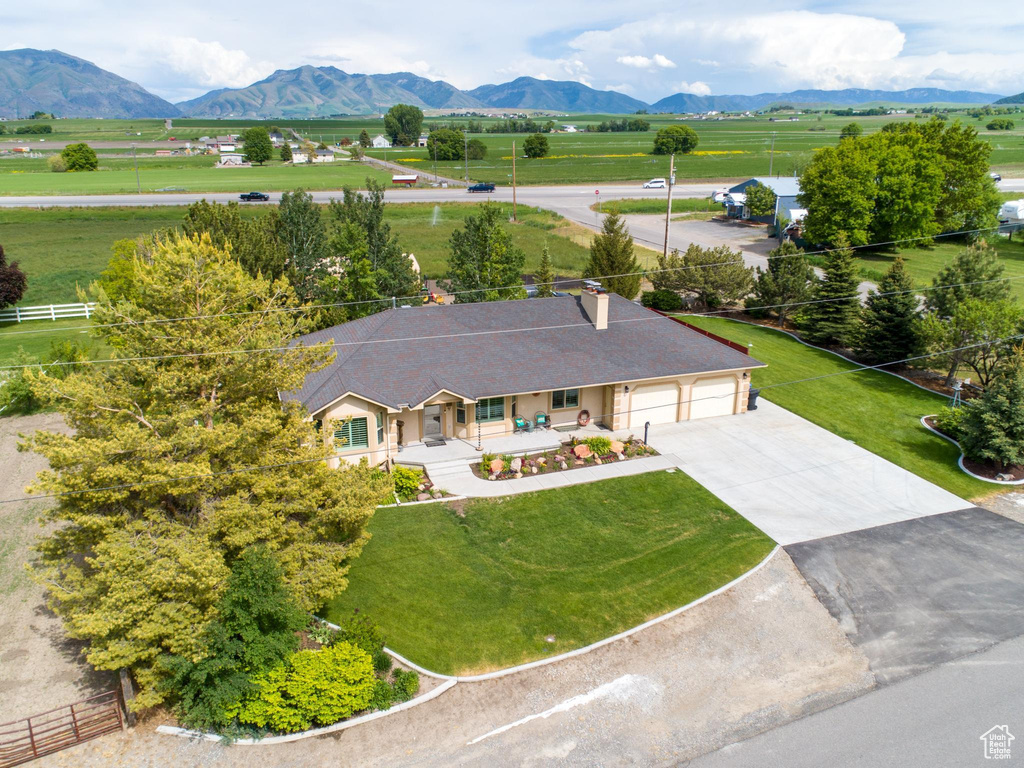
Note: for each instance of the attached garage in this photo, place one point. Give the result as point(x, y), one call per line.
point(657, 403)
point(713, 397)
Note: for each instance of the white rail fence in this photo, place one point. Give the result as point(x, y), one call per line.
point(48, 312)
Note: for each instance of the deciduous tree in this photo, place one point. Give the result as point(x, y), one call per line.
point(484, 264)
point(675, 139)
point(258, 146)
point(12, 282)
point(446, 144)
point(302, 230)
point(536, 145)
point(760, 200)
point(79, 157)
point(157, 488)
point(402, 124)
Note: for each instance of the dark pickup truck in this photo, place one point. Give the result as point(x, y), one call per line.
point(482, 187)
point(254, 196)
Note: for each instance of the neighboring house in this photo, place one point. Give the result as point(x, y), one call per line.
point(466, 370)
point(323, 156)
point(570, 129)
point(422, 140)
point(277, 139)
point(786, 189)
point(299, 157)
point(232, 161)
point(380, 142)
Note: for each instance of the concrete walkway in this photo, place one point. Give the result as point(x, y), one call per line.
point(464, 483)
point(795, 480)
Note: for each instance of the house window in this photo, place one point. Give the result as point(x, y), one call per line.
point(490, 409)
point(380, 428)
point(351, 434)
point(460, 413)
point(565, 398)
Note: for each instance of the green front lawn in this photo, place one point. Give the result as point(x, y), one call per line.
point(467, 595)
point(875, 410)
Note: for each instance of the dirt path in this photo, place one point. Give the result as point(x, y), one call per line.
point(762, 654)
point(40, 668)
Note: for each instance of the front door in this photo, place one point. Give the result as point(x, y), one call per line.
point(432, 422)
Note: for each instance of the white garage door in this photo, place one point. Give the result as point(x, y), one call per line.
point(713, 397)
point(656, 403)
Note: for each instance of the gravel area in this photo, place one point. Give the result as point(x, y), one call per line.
point(764, 653)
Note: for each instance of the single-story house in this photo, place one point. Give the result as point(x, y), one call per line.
point(786, 189)
point(233, 160)
point(299, 157)
point(422, 140)
point(465, 371)
point(322, 156)
point(380, 142)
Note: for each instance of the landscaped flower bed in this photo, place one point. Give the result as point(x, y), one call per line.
point(414, 485)
point(574, 454)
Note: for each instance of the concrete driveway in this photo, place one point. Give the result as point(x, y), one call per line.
point(794, 480)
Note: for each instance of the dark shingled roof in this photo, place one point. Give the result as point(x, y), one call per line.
point(503, 347)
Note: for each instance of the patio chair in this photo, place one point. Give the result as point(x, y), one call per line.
point(521, 425)
point(541, 420)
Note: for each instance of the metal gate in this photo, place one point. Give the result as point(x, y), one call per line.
point(49, 732)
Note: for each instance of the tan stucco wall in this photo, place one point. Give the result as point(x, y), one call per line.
point(355, 407)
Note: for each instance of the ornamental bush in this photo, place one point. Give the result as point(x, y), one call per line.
point(312, 688)
point(361, 631)
point(599, 445)
point(662, 300)
point(407, 481)
point(950, 421)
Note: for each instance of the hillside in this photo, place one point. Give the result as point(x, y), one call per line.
point(51, 81)
point(560, 95)
point(1017, 98)
point(848, 97)
point(321, 91)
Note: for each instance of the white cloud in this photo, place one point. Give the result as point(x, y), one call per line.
point(640, 62)
point(664, 62)
point(210, 63)
point(697, 88)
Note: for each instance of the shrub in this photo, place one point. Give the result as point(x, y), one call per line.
point(486, 459)
point(381, 662)
point(79, 157)
point(407, 481)
point(383, 695)
point(663, 300)
point(56, 164)
point(321, 632)
point(950, 421)
point(311, 688)
point(599, 445)
point(506, 461)
point(406, 684)
point(361, 631)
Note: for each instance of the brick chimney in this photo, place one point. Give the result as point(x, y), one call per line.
point(595, 304)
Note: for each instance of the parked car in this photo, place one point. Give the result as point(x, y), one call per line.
point(531, 291)
point(654, 184)
point(483, 186)
point(995, 176)
point(254, 196)
point(593, 284)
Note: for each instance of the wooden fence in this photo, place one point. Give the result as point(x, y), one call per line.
point(25, 740)
point(702, 332)
point(48, 312)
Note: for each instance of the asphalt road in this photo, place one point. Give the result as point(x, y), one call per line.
point(934, 720)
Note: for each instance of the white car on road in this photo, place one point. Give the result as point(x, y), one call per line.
point(654, 184)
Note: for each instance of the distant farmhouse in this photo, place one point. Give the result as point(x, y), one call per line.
point(786, 189)
point(380, 142)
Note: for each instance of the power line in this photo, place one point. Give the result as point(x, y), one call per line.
point(279, 465)
point(553, 283)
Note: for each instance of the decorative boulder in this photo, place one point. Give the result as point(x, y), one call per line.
point(579, 462)
point(621, 456)
point(558, 458)
point(516, 465)
point(598, 460)
point(518, 475)
point(496, 466)
point(420, 487)
point(563, 465)
point(436, 494)
point(541, 461)
point(582, 451)
point(422, 497)
point(617, 446)
point(492, 477)
point(534, 470)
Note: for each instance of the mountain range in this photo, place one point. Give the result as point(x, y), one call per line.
point(51, 81)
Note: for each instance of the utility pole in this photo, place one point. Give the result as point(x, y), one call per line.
point(771, 157)
point(138, 184)
point(465, 135)
point(668, 210)
point(514, 181)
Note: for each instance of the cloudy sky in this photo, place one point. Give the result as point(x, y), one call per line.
point(645, 48)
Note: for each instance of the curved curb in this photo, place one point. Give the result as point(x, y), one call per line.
point(588, 648)
point(960, 461)
point(171, 730)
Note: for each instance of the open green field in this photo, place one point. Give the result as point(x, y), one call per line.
point(463, 595)
point(732, 147)
point(879, 412)
point(192, 174)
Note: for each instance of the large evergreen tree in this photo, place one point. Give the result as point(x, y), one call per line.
point(782, 289)
point(993, 428)
point(835, 317)
point(716, 275)
point(612, 259)
point(484, 265)
point(156, 495)
point(974, 273)
point(892, 318)
point(544, 278)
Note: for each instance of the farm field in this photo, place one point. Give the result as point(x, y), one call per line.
point(188, 174)
point(521, 578)
point(730, 148)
